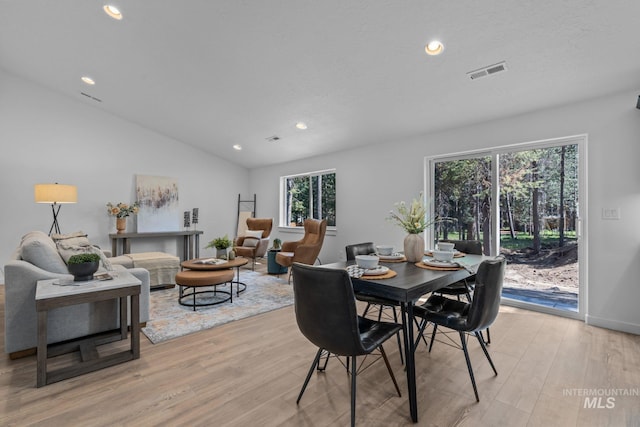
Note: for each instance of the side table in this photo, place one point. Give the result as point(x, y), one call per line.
point(272, 266)
point(50, 295)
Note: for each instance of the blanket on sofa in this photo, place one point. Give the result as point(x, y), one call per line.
point(160, 271)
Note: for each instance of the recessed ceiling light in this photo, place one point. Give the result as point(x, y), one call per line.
point(112, 11)
point(301, 125)
point(237, 147)
point(434, 48)
point(88, 80)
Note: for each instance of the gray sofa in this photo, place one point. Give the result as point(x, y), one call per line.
point(37, 258)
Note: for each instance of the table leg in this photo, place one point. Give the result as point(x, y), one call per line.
point(238, 282)
point(42, 349)
point(409, 349)
point(135, 325)
point(197, 237)
point(123, 317)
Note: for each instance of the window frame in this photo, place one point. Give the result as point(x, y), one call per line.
point(283, 223)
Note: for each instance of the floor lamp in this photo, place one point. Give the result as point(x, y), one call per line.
point(56, 194)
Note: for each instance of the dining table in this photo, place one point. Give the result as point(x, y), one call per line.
point(406, 287)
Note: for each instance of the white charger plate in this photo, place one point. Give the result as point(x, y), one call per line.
point(393, 256)
point(436, 263)
point(376, 271)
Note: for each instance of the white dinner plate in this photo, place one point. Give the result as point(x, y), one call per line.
point(435, 263)
point(456, 254)
point(376, 271)
point(393, 256)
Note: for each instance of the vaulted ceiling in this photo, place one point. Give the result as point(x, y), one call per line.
point(213, 74)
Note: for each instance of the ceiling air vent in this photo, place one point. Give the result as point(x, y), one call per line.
point(91, 97)
point(273, 138)
point(487, 71)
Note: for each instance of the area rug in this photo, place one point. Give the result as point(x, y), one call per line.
point(169, 320)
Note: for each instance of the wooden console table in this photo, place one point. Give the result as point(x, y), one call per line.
point(191, 238)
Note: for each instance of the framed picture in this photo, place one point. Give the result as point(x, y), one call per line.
point(158, 200)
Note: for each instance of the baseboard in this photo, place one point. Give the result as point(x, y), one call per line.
point(615, 325)
point(22, 353)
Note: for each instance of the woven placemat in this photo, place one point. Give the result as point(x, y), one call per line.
point(388, 275)
point(403, 259)
point(357, 272)
point(428, 267)
point(456, 255)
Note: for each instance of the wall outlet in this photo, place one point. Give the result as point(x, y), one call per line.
point(610, 213)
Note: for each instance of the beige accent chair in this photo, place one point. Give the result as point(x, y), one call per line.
point(307, 249)
point(253, 247)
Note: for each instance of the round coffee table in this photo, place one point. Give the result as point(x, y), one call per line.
point(236, 263)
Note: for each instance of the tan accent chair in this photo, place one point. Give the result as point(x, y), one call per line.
point(306, 250)
point(258, 251)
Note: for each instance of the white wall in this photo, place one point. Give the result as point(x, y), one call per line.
point(47, 137)
point(369, 181)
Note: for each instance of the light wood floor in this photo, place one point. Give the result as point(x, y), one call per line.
point(249, 372)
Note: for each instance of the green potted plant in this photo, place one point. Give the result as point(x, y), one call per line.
point(82, 266)
point(277, 244)
point(221, 244)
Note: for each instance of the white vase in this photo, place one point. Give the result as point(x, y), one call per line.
point(413, 247)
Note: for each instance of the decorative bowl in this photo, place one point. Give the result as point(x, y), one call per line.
point(443, 255)
point(445, 246)
point(367, 261)
point(384, 249)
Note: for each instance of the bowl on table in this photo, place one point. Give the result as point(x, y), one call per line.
point(446, 256)
point(367, 262)
point(445, 246)
point(384, 249)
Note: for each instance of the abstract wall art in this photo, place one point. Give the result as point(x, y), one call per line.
point(158, 200)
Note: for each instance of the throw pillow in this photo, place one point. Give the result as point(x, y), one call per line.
point(254, 233)
point(250, 242)
point(38, 249)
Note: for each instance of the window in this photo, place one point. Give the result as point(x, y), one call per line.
point(308, 195)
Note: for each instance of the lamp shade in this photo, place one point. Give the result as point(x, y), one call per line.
point(55, 193)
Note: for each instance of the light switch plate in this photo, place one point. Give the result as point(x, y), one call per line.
point(610, 213)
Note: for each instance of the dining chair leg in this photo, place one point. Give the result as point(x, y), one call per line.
point(421, 327)
point(395, 320)
point(433, 336)
point(386, 362)
point(326, 355)
point(353, 390)
point(306, 381)
point(366, 309)
point(486, 353)
point(466, 356)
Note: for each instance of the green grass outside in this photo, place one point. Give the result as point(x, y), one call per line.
point(525, 240)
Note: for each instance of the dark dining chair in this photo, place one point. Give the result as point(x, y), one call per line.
point(467, 317)
point(325, 308)
point(465, 286)
point(368, 248)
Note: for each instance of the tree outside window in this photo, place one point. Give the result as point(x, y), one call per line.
point(310, 195)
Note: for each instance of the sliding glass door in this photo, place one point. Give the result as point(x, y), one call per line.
point(522, 202)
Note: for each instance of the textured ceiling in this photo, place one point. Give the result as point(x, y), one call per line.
point(216, 73)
